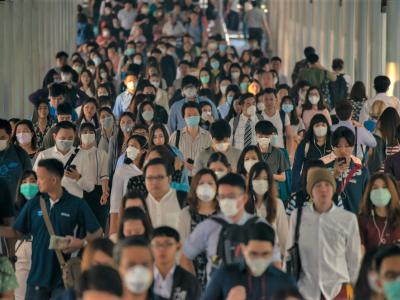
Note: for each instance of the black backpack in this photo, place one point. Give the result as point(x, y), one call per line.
point(230, 238)
point(338, 90)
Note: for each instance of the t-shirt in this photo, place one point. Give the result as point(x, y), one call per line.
point(277, 121)
point(6, 206)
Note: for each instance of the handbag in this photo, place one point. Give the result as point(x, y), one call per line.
point(71, 269)
point(293, 262)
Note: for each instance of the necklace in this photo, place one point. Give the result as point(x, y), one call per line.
point(382, 240)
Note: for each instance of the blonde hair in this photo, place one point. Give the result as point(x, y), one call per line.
point(377, 109)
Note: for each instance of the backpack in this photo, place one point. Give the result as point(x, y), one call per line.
point(230, 238)
point(284, 187)
point(338, 90)
point(236, 123)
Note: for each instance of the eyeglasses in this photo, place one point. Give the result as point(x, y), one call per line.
point(162, 245)
point(155, 178)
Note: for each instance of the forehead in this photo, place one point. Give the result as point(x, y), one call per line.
point(390, 264)
point(136, 255)
point(259, 246)
point(156, 169)
point(65, 131)
point(227, 189)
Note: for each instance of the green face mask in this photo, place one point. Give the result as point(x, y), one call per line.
point(205, 79)
point(380, 197)
point(29, 190)
point(391, 289)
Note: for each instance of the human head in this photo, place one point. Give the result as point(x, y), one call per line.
point(313, 58)
point(313, 97)
point(249, 157)
point(320, 186)
point(24, 134)
point(308, 50)
point(28, 187)
point(343, 141)
point(50, 173)
point(191, 112)
point(276, 62)
point(190, 85)
point(158, 135)
point(270, 99)
point(64, 135)
point(5, 134)
point(265, 131)
point(131, 81)
point(61, 59)
point(165, 244)
point(231, 195)
point(203, 188)
point(220, 132)
point(248, 103)
point(387, 125)
point(219, 164)
point(344, 110)
point(381, 84)
point(337, 64)
point(157, 177)
point(388, 269)
point(42, 108)
point(324, 131)
point(358, 92)
point(308, 165)
point(97, 252)
point(134, 222)
point(64, 112)
point(56, 94)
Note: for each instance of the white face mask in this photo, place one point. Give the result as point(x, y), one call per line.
point(313, 99)
point(249, 163)
point(24, 138)
point(223, 89)
point(263, 142)
point(64, 145)
point(251, 110)
point(107, 122)
point(258, 266)
point(320, 131)
point(88, 138)
point(3, 144)
point(205, 115)
point(131, 85)
point(155, 83)
point(221, 147)
point(260, 106)
point(205, 192)
point(132, 152)
point(260, 186)
point(228, 207)
point(190, 92)
point(138, 279)
point(148, 115)
point(220, 174)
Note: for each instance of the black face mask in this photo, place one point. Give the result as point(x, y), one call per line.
point(151, 97)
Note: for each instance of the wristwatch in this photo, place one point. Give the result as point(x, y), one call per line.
point(85, 242)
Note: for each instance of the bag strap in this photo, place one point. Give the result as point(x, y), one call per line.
point(356, 142)
point(235, 124)
point(298, 222)
point(71, 158)
point(50, 229)
point(348, 178)
point(177, 138)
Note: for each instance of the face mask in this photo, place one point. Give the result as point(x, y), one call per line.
point(190, 92)
point(215, 64)
point(260, 186)
point(129, 51)
point(24, 138)
point(64, 145)
point(29, 190)
point(155, 83)
point(229, 99)
point(107, 122)
point(260, 106)
point(126, 128)
point(220, 174)
point(148, 115)
point(131, 85)
point(275, 81)
point(138, 279)
point(391, 289)
point(320, 131)
point(258, 266)
point(205, 192)
point(96, 60)
point(287, 108)
point(263, 142)
point(251, 110)
point(205, 114)
point(221, 147)
point(103, 75)
point(235, 75)
point(274, 140)
point(249, 163)
point(222, 48)
point(137, 61)
point(313, 99)
point(3, 144)
point(243, 86)
point(205, 79)
point(192, 121)
point(78, 69)
point(88, 138)
point(132, 152)
point(380, 197)
point(372, 281)
point(228, 207)
point(223, 89)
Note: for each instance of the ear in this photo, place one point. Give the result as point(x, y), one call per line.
point(54, 136)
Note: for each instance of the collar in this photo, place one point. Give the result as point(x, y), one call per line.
point(158, 276)
point(67, 154)
point(311, 205)
point(244, 118)
point(168, 194)
point(245, 217)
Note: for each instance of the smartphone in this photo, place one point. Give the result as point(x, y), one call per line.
point(190, 161)
point(58, 242)
point(71, 167)
point(341, 160)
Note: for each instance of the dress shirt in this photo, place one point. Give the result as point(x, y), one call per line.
point(75, 187)
point(96, 164)
point(163, 286)
point(330, 251)
point(240, 130)
point(122, 103)
point(164, 212)
point(388, 100)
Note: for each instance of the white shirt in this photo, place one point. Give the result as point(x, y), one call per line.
point(388, 100)
point(74, 187)
point(96, 162)
point(163, 287)
point(119, 185)
point(240, 130)
point(277, 122)
point(164, 212)
point(330, 251)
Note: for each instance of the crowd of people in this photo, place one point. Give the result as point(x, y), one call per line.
point(162, 162)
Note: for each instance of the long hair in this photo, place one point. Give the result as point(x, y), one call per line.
point(120, 134)
point(192, 198)
point(393, 208)
point(91, 82)
point(358, 92)
point(240, 165)
point(95, 116)
point(294, 119)
point(318, 118)
point(143, 146)
point(270, 197)
point(153, 131)
point(104, 245)
point(388, 123)
point(307, 104)
point(139, 118)
point(31, 129)
point(135, 213)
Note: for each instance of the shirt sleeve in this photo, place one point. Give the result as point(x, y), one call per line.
point(197, 240)
point(22, 223)
point(116, 194)
point(282, 225)
point(172, 119)
point(103, 164)
point(353, 250)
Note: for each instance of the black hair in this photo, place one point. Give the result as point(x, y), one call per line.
point(153, 130)
point(64, 108)
point(284, 294)
point(52, 165)
point(56, 89)
point(135, 213)
point(343, 132)
point(220, 130)
point(294, 118)
point(120, 134)
point(269, 91)
point(89, 126)
point(337, 64)
point(184, 62)
point(245, 96)
point(381, 84)
point(307, 104)
point(343, 110)
point(308, 50)
point(5, 124)
point(29, 124)
point(240, 164)
point(276, 58)
point(218, 157)
point(64, 125)
point(61, 54)
point(143, 146)
point(190, 104)
point(362, 288)
point(139, 118)
point(358, 92)
point(103, 279)
point(386, 252)
point(95, 116)
point(157, 162)
point(104, 245)
point(265, 127)
point(260, 231)
point(318, 118)
point(233, 179)
point(166, 231)
point(132, 241)
point(312, 58)
point(189, 80)
point(106, 109)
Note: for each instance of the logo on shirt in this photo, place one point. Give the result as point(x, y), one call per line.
point(178, 294)
point(63, 214)
point(39, 213)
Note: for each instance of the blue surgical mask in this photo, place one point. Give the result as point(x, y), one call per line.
point(274, 140)
point(192, 121)
point(287, 108)
point(243, 86)
point(129, 51)
point(229, 99)
point(29, 190)
point(391, 289)
point(215, 64)
point(222, 47)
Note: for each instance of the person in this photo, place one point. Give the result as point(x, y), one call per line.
point(247, 159)
point(220, 133)
point(7, 279)
point(134, 222)
point(107, 128)
point(14, 160)
point(364, 138)
point(381, 86)
point(74, 160)
point(24, 136)
point(301, 64)
point(44, 280)
point(324, 228)
point(256, 23)
point(61, 61)
point(162, 201)
point(127, 16)
point(88, 113)
point(276, 64)
point(100, 283)
point(192, 139)
point(358, 96)
point(218, 163)
point(316, 74)
point(392, 161)
point(339, 89)
point(350, 175)
point(44, 121)
point(98, 252)
point(255, 277)
point(124, 99)
point(242, 126)
point(170, 280)
point(313, 105)
point(202, 204)
point(379, 218)
point(209, 234)
point(264, 201)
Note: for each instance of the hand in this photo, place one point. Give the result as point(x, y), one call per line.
point(188, 166)
point(73, 244)
point(356, 124)
point(73, 174)
point(237, 293)
point(339, 168)
point(178, 164)
point(104, 198)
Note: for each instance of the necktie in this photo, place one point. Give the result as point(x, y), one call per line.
point(247, 133)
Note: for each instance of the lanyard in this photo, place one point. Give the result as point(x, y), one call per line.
point(263, 294)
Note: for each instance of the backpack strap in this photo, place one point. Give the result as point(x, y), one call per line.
point(234, 127)
point(298, 222)
point(71, 158)
point(220, 221)
point(177, 138)
point(356, 142)
point(306, 148)
point(181, 196)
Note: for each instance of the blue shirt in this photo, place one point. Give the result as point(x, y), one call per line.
point(176, 120)
point(122, 103)
point(66, 215)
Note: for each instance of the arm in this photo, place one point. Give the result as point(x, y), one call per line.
point(266, 27)
point(115, 203)
point(366, 138)
point(280, 177)
point(282, 226)
point(172, 119)
point(9, 233)
point(353, 249)
point(187, 264)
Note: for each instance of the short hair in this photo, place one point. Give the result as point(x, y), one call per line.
point(260, 231)
point(131, 241)
point(343, 132)
point(64, 108)
point(64, 125)
point(166, 231)
point(191, 104)
point(245, 96)
point(62, 54)
point(220, 130)
point(87, 125)
point(276, 58)
point(53, 166)
point(269, 91)
point(312, 58)
point(337, 64)
point(381, 84)
point(5, 124)
point(218, 157)
point(233, 179)
point(103, 279)
point(308, 50)
point(184, 62)
point(156, 162)
point(189, 80)
point(386, 252)
point(344, 110)
point(56, 89)
point(265, 127)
